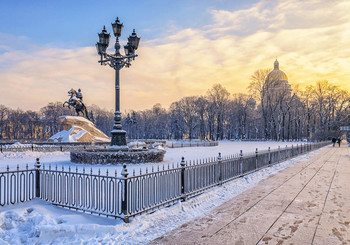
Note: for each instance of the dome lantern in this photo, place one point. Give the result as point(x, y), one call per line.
point(276, 65)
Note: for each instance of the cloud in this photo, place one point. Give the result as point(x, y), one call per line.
point(310, 39)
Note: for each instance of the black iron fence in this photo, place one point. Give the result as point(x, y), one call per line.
point(88, 192)
point(17, 186)
point(130, 194)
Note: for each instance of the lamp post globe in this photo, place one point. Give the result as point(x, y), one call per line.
point(117, 28)
point(117, 62)
point(134, 40)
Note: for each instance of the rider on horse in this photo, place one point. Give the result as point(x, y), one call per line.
point(76, 100)
point(80, 95)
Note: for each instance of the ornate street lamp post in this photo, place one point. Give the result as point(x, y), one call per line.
point(117, 62)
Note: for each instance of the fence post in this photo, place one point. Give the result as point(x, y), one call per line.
point(286, 153)
point(220, 169)
point(297, 150)
point(279, 154)
point(241, 162)
point(1, 148)
point(124, 174)
point(256, 158)
point(37, 178)
point(269, 155)
point(32, 147)
point(183, 165)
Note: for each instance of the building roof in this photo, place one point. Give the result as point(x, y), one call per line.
point(276, 73)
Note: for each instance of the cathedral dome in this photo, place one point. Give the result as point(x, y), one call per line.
point(276, 73)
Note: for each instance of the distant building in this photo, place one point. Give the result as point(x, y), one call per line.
point(277, 81)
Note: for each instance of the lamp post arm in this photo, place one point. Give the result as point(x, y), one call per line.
point(117, 62)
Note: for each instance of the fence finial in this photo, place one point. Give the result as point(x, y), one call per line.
point(182, 163)
point(37, 163)
point(124, 172)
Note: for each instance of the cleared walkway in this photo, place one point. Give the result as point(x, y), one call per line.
point(308, 203)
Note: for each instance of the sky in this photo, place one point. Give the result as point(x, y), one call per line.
point(187, 46)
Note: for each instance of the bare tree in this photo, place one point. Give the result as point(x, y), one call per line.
point(3, 119)
point(218, 97)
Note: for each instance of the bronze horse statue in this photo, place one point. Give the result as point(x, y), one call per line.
point(76, 102)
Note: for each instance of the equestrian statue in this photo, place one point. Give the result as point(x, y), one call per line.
point(76, 101)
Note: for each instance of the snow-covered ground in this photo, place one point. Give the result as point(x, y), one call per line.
point(172, 156)
point(37, 222)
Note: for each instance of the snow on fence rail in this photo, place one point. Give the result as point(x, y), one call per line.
point(49, 148)
point(127, 196)
point(191, 144)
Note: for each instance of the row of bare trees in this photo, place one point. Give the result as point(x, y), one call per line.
point(271, 110)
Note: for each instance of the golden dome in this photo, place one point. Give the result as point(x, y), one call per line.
point(276, 73)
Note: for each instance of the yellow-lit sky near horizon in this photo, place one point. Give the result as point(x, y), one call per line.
point(311, 40)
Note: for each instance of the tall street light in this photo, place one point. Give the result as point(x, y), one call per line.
point(117, 62)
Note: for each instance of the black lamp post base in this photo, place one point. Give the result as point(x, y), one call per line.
point(118, 138)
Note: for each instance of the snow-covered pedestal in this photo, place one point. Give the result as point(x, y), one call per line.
point(78, 129)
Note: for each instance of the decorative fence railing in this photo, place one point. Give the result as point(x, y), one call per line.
point(126, 196)
point(88, 192)
point(17, 186)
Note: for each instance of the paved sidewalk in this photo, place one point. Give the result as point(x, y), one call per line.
point(308, 203)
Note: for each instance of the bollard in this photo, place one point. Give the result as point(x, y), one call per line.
point(124, 174)
point(37, 178)
point(269, 155)
point(279, 154)
point(256, 158)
